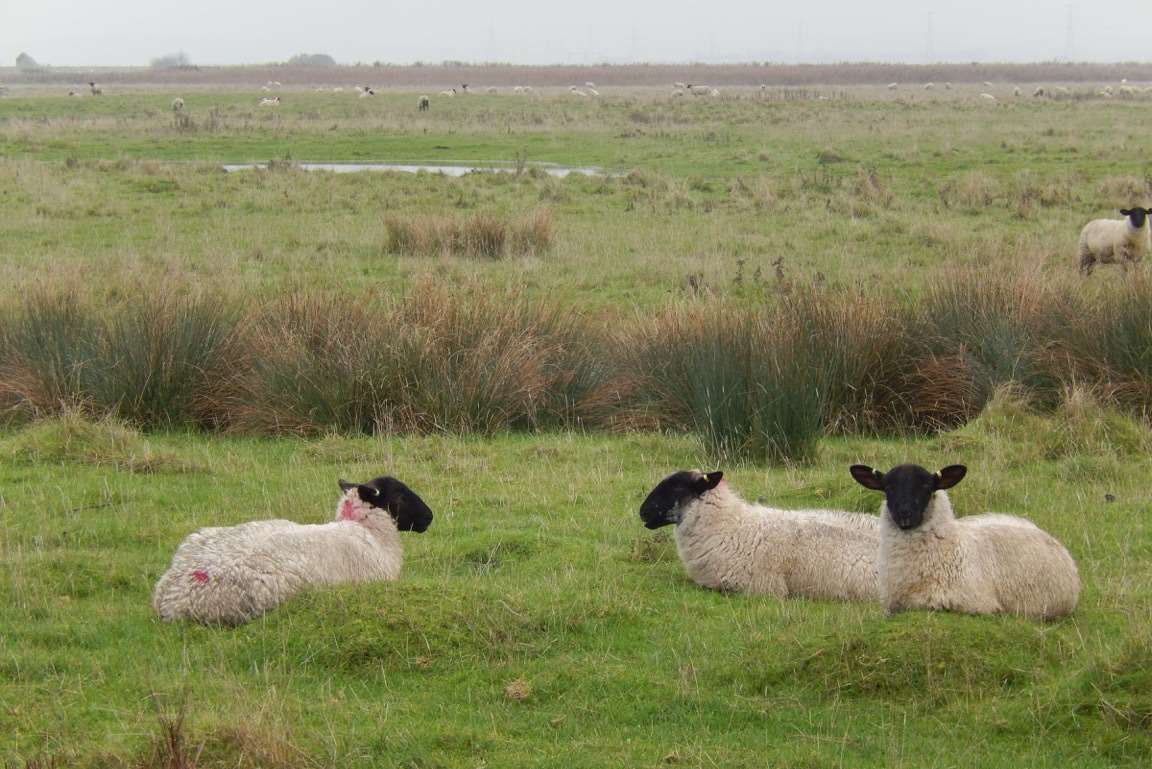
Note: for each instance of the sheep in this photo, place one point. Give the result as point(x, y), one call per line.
point(681, 86)
point(527, 89)
point(699, 90)
point(74, 93)
point(338, 89)
point(232, 575)
point(893, 86)
point(947, 86)
point(1016, 91)
point(988, 84)
point(576, 91)
point(1039, 91)
point(366, 92)
point(423, 103)
point(589, 84)
point(979, 564)
point(929, 86)
point(177, 104)
point(593, 92)
point(270, 102)
point(451, 92)
point(1061, 90)
point(1110, 240)
point(491, 90)
point(987, 97)
point(728, 544)
point(95, 89)
point(518, 89)
point(464, 88)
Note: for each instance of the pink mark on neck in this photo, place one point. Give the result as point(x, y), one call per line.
point(347, 510)
point(200, 576)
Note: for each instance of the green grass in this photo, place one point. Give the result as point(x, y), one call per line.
point(537, 571)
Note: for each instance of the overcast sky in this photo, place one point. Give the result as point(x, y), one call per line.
point(127, 32)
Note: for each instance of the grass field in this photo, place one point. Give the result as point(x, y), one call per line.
point(537, 623)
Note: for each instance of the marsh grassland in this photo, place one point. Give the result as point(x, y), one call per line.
point(778, 286)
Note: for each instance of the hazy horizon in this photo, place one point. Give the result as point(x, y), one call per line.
point(132, 32)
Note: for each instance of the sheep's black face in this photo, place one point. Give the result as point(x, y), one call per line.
point(907, 488)
point(1136, 215)
point(404, 505)
point(665, 503)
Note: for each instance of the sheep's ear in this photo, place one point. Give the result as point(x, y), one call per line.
point(345, 485)
point(867, 477)
point(1125, 211)
point(709, 481)
point(950, 476)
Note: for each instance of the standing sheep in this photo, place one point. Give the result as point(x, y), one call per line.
point(177, 104)
point(423, 103)
point(726, 543)
point(96, 89)
point(1110, 240)
point(232, 575)
point(980, 564)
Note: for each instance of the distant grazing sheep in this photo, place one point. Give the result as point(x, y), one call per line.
point(491, 90)
point(979, 564)
point(1016, 91)
point(1039, 91)
point(74, 93)
point(270, 101)
point(947, 86)
point(518, 89)
point(576, 91)
point(726, 543)
point(423, 103)
point(1108, 241)
point(987, 97)
point(451, 92)
point(177, 104)
point(929, 86)
point(96, 89)
point(988, 84)
point(589, 84)
point(893, 86)
point(231, 575)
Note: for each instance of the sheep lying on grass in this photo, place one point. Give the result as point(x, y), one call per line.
point(231, 575)
point(1110, 240)
point(980, 564)
point(726, 543)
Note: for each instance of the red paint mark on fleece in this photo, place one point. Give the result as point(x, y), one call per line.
point(347, 510)
point(200, 576)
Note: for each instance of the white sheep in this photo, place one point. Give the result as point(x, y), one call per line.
point(988, 84)
point(270, 102)
point(979, 564)
point(177, 104)
point(589, 84)
point(74, 93)
point(451, 92)
point(96, 89)
point(593, 92)
point(1115, 240)
point(491, 90)
point(577, 91)
point(947, 86)
point(1016, 91)
point(988, 97)
point(699, 90)
point(681, 86)
point(423, 103)
point(893, 86)
point(231, 575)
point(1039, 91)
point(518, 89)
point(929, 86)
point(726, 543)
point(1061, 90)
point(527, 89)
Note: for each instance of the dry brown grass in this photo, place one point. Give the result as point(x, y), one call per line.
point(483, 235)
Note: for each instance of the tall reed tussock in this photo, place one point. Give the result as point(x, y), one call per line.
point(432, 360)
point(483, 235)
point(761, 382)
point(158, 358)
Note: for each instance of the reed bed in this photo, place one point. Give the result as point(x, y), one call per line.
point(761, 379)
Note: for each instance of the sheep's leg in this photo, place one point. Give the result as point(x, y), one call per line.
point(1087, 262)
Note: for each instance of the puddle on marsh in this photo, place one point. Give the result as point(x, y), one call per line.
point(413, 168)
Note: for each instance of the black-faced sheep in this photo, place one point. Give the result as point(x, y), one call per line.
point(231, 575)
point(979, 564)
point(1115, 240)
point(726, 543)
